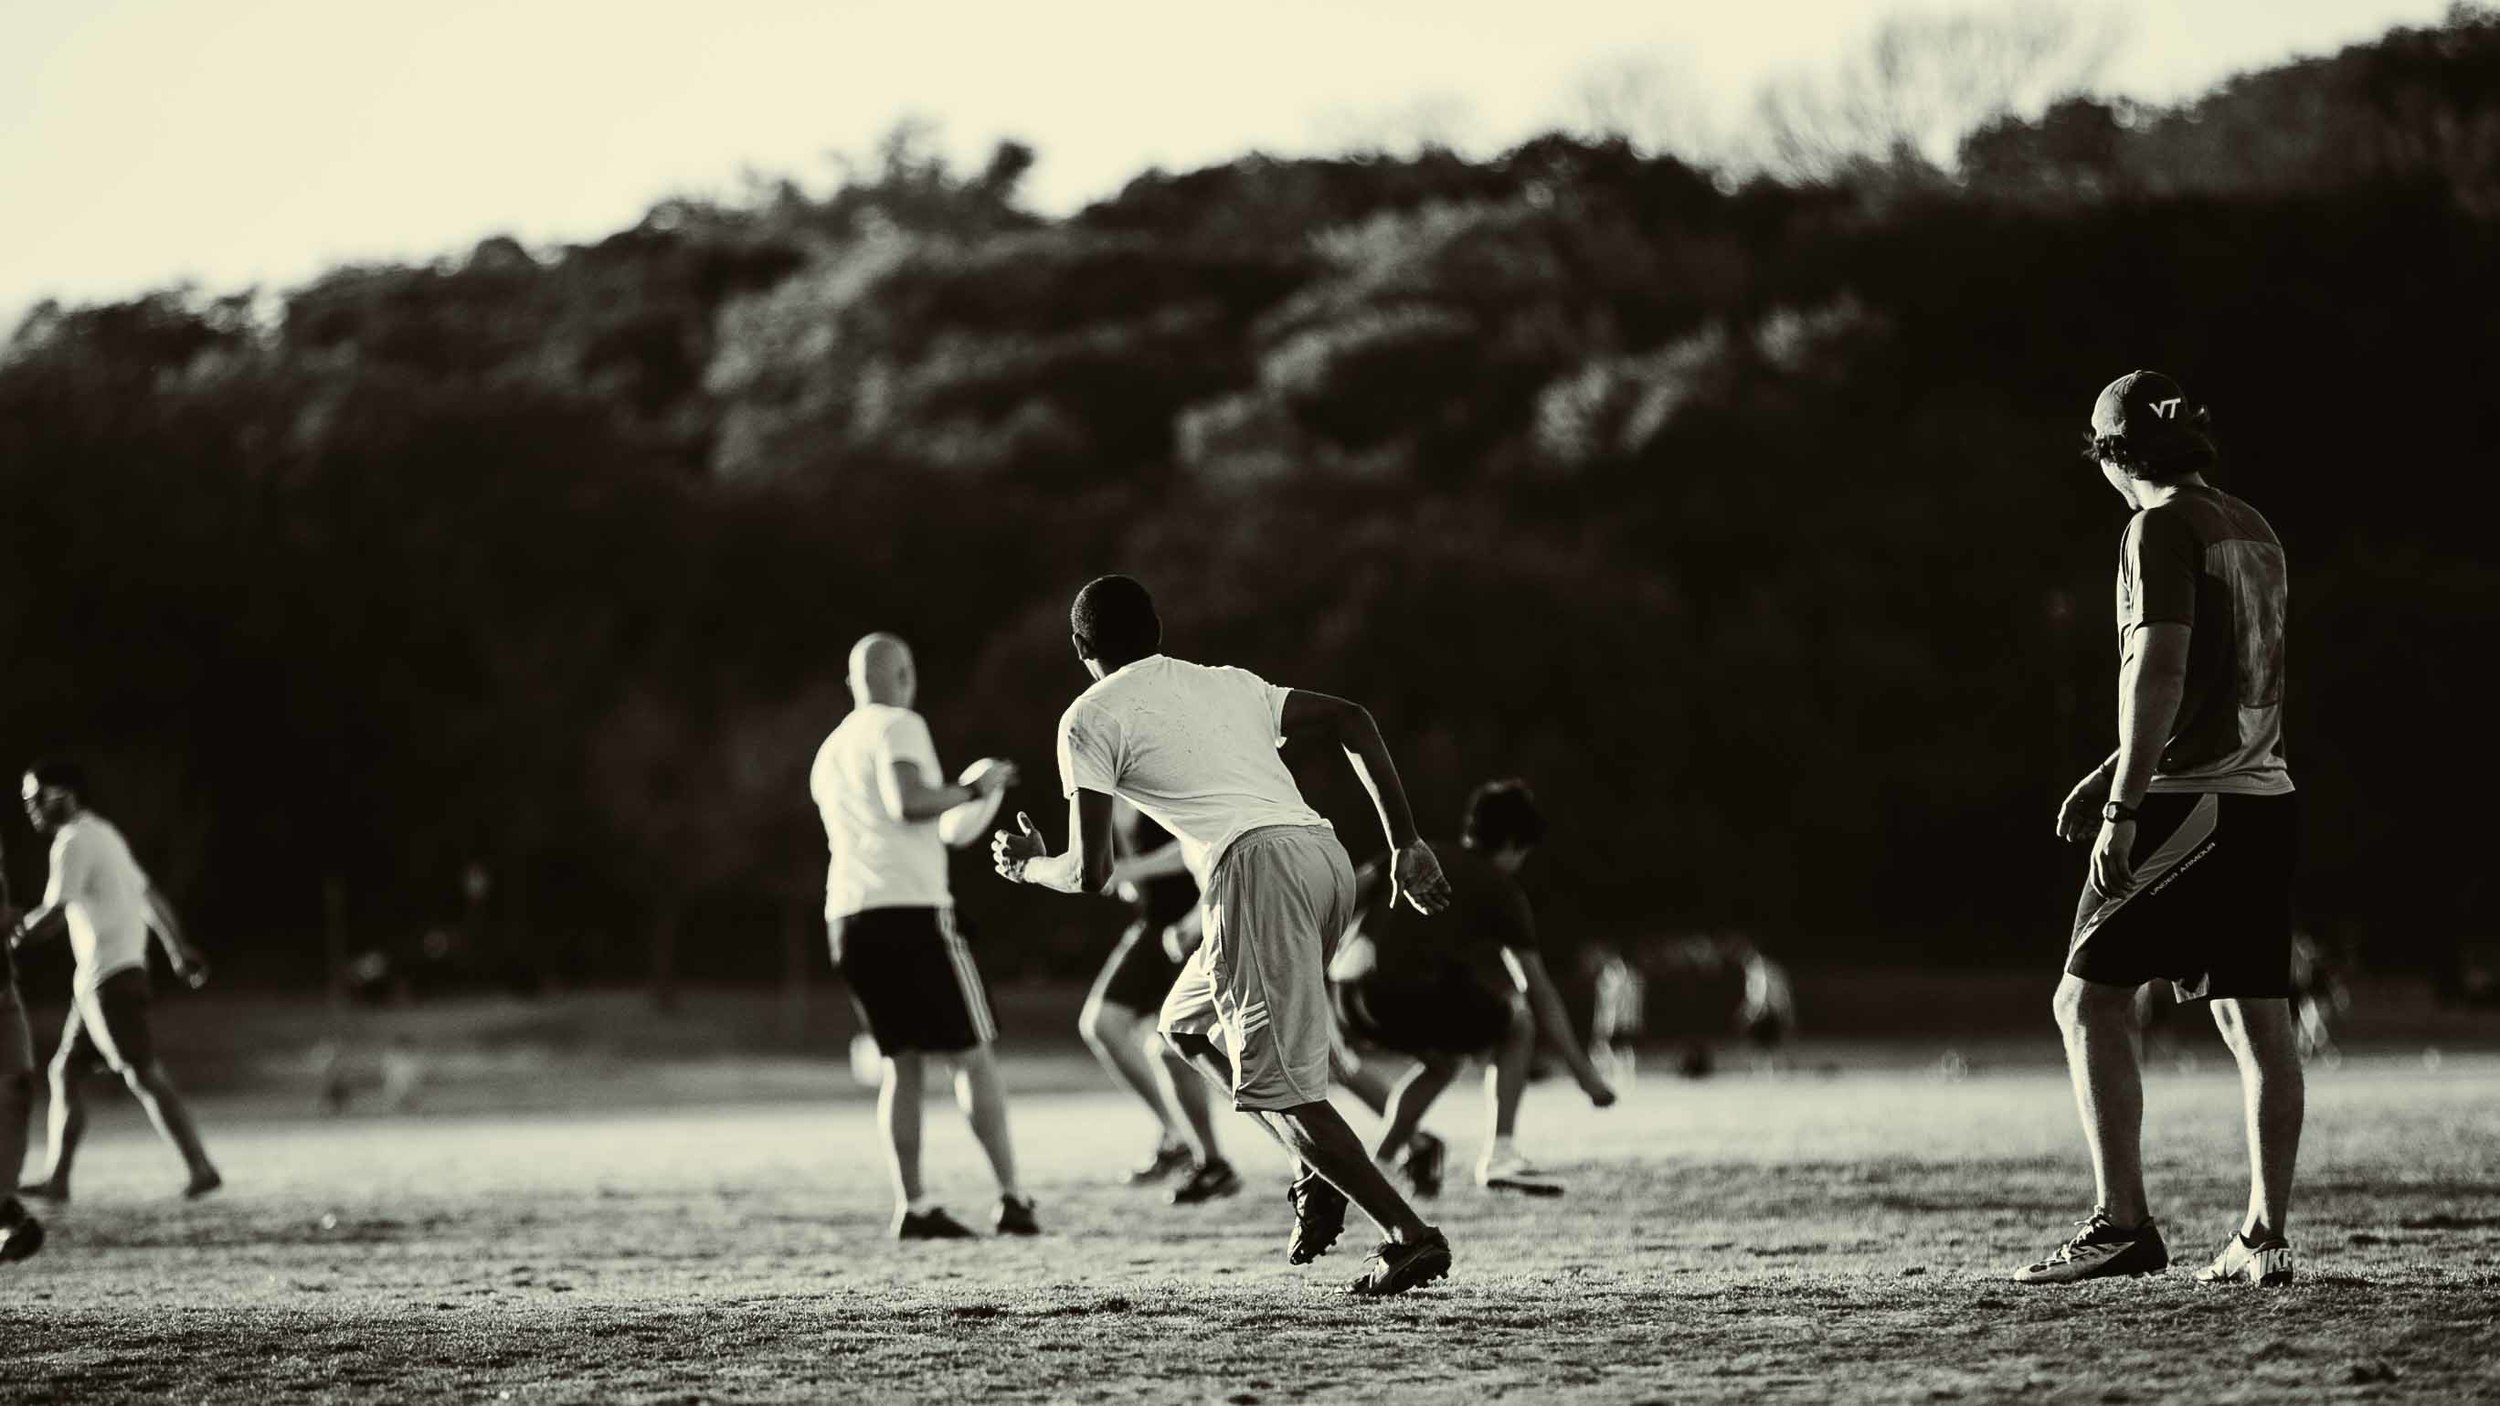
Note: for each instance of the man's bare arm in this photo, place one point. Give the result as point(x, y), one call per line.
point(2152, 678)
point(1155, 864)
point(184, 958)
point(1414, 871)
point(1023, 856)
point(909, 798)
point(1527, 970)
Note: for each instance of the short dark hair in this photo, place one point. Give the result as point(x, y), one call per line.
point(2188, 457)
point(1114, 620)
point(61, 772)
point(1503, 815)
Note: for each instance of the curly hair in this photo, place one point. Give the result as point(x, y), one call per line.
point(2191, 449)
point(1503, 815)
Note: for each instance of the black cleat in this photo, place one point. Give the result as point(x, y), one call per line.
point(45, 1191)
point(1318, 1217)
point(1209, 1181)
point(21, 1241)
point(2100, 1249)
point(1015, 1216)
point(1169, 1157)
point(1396, 1268)
point(1426, 1158)
point(931, 1224)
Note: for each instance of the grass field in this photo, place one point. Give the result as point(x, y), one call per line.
point(1807, 1239)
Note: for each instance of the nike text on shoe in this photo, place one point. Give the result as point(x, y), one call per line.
point(1318, 1217)
point(1015, 1216)
point(2266, 1264)
point(2100, 1249)
point(1208, 1182)
point(1396, 1268)
point(931, 1224)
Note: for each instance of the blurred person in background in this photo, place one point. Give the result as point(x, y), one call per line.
point(1469, 983)
point(2319, 995)
point(889, 817)
point(1118, 1019)
point(1196, 749)
point(2193, 825)
point(21, 1235)
point(1766, 1017)
point(103, 899)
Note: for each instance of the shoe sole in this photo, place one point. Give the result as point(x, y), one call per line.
point(1432, 1273)
point(1523, 1186)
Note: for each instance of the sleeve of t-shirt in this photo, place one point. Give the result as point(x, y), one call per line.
point(906, 739)
point(70, 863)
point(2163, 559)
point(1088, 755)
point(1274, 697)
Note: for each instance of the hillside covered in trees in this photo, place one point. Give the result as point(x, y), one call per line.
point(1744, 518)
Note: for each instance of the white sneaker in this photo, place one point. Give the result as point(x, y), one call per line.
point(1510, 1171)
point(2266, 1264)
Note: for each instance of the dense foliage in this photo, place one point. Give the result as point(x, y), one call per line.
point(1746, 521)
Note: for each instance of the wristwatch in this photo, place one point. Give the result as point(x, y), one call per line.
point(2117, 812)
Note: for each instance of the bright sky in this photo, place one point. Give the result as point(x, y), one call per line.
point(233, 142)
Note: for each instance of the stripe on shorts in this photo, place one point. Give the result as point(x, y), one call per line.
point(967, 979)
point(2195, 831)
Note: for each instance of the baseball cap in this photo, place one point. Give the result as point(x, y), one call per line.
point(2146, 412)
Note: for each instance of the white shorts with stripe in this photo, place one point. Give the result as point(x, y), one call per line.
point(1275, 904)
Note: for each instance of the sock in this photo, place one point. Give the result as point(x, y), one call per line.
point(1502, 1149)
point(920, 1205)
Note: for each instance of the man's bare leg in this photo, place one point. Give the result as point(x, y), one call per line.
point(1506, 1078)
point(898, 1117)
point(983, 1097)
point(1412, 1098)
point(154, 1088)
point(1116, 1035)
point(1188, 1093)
point(2263, 1039)
point(65, 1124)
point(2098, 1021)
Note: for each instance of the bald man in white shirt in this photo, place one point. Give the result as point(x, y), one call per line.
point(889, 816)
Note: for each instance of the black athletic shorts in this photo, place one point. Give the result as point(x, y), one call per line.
point(2210, 907)
point(1140, 973)
point(1447, 1014)
point(119, 1004)
point(912, 980)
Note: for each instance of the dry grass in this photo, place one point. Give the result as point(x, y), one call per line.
point(1802, 1240)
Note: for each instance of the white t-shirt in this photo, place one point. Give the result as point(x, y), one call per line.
point(1193, 747)
point(877, 861)
point(104, 895)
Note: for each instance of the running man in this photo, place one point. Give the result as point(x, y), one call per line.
point(2190, 876)
point(109, 906)
point(891, 918)
point(1127, 996)
point(1469, 983)
point(21, 1235)
point(1195, 748)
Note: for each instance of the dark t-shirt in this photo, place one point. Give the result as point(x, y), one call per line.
point(1165, 901)
point(2208, 561)
point(1488, 912)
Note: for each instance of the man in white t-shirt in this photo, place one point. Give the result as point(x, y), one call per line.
point(889, 815)
point(105, 900)
point(1195, 748)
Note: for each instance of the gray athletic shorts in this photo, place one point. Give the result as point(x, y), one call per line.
point(1274, 906)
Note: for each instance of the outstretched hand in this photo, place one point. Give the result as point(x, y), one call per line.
point(192, 971)
point(1011, 850)
point(2081, 811)
point(989, 775)
point(1415, 876)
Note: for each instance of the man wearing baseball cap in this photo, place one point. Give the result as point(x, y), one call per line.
point(2192, 824)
